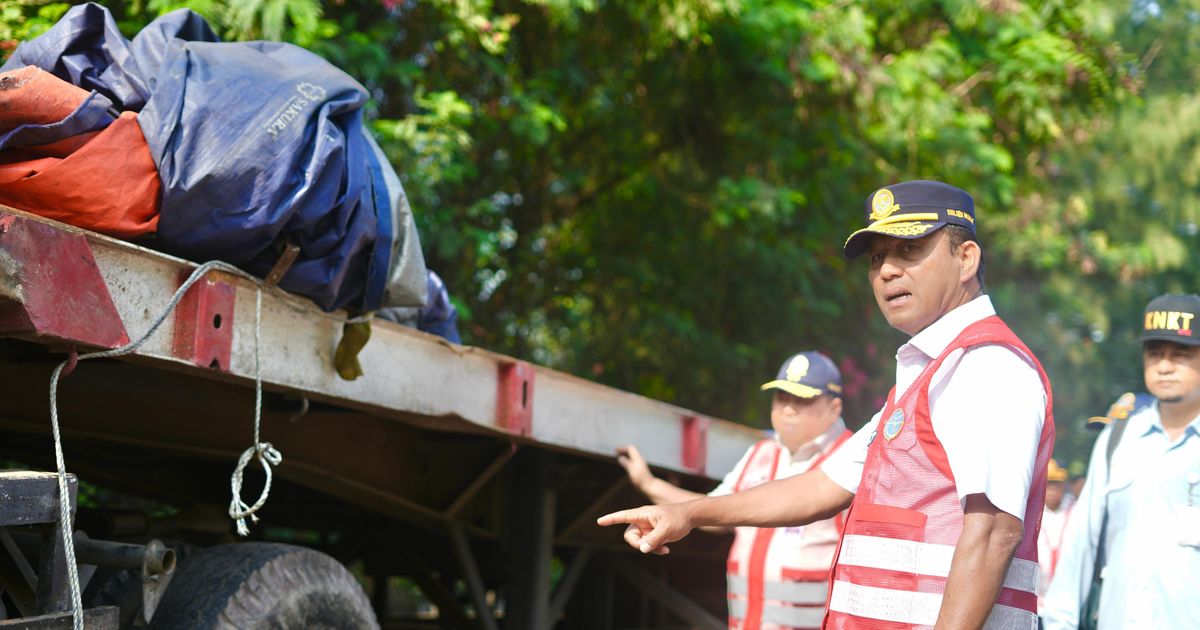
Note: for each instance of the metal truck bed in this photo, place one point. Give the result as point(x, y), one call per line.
point(440, 460)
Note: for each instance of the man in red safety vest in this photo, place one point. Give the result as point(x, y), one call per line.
point(946, 483)
point(778, 578)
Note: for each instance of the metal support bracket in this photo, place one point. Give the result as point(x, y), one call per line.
point(570, 580)
point(479, 482)
point(695, 443)
point(514, 400)
point(426, 580)
point(204, 323)
point(466, 562)
point(587, 517)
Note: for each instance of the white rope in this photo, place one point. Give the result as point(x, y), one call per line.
point(64, 504)
point(266, 452)
point(263, 451)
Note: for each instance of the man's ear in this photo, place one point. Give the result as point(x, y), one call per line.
point(837, 405)
point(969, 256)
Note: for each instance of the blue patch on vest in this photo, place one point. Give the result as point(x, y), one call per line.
point(892, 427)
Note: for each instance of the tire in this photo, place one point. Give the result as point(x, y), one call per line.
point(261, 586)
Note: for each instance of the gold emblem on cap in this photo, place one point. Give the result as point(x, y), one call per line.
point(883, 204)
point(797, 369)
point(907, 228)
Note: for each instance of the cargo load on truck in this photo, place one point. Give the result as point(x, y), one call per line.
point(257, 147)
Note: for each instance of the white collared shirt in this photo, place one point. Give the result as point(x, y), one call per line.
point(792, 463)
point(987, 405)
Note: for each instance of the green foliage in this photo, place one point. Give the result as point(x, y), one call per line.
point(1116, 223)
point(654, 194)
point(24, 20)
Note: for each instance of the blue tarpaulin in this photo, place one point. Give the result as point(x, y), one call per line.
point(258, 145)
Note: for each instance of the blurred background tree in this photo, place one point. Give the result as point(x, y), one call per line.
point(654, 195)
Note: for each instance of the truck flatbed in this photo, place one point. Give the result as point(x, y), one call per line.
point(439, 458)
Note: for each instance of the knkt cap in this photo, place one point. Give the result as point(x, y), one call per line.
point(1172, 317)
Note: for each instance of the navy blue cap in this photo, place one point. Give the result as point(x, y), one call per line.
point(912, 210)
point(1172, 317)
point(807, 375)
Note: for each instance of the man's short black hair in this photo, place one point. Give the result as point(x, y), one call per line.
point(958, 236)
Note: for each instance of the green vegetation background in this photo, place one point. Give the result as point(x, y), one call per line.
point(654, 195)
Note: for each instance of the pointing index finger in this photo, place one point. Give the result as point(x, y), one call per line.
point(617, 518)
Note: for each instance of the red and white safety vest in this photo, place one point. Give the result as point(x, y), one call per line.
point(1050, 540)
point(779, 577)
point(902, 528)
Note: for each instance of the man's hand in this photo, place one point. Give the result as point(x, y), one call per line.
point(635, 466)
point(797, 500)
point(652, 527)
point(659, 491)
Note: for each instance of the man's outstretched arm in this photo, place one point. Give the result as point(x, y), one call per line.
point(797, 500)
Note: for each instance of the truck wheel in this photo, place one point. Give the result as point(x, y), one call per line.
point(252, 586)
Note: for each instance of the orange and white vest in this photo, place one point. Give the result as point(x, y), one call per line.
point(779, 577)
point(902, 528)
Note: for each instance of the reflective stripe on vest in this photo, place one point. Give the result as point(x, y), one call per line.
point(920, 558)
point(800, 593)
point(787, 616)
point(915, 608)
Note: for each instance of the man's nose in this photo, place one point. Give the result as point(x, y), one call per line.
point(889, 270)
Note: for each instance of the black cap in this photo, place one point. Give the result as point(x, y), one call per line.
point(1172, 317)
point(807, 375)
point(912, 210)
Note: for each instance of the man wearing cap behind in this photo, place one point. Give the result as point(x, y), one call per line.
point(1133, 540)
point(948, 479)
point(777, 577)
point(1054, 521)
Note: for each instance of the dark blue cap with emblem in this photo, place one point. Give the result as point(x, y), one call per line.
point(912, 210)
point(807, 375)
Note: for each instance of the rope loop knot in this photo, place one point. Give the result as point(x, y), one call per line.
point(268, 456)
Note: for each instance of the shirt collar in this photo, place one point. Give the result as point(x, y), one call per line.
point(937, 336)
point(819, 445)
point(1152, 417)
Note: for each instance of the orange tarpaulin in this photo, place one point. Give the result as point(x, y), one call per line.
point(102, 180)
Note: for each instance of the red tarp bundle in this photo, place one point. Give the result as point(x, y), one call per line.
point(103, 180)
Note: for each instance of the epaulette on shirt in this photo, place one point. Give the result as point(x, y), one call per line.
point(1128, 404)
